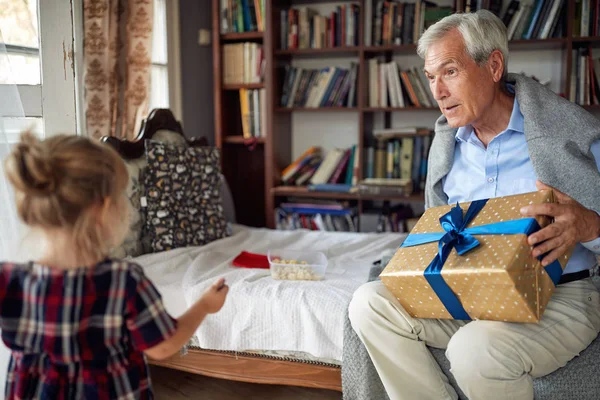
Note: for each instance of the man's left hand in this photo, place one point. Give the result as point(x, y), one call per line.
point(573, 223)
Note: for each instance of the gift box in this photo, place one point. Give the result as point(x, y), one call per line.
point(472, 261)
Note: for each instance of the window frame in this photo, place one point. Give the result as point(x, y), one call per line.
point(174, 59)
point(57, 74)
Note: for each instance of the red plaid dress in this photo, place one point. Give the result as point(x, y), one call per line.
point(80, 334)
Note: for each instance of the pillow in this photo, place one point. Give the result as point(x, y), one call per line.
point(135, 244)
point(184, 206)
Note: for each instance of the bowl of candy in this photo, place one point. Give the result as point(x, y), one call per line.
point(296, 265)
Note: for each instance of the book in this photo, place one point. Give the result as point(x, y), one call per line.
point(299, 162)
point(330, 187)
point(406, 158)
point(399, 182)
point(327, 167)
point(337, 173)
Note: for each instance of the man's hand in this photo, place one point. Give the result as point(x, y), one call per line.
point(573, 223)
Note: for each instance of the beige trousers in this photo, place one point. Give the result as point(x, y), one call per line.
point(490, 360)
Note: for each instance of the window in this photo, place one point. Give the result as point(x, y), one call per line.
point(165, 80)
point(19, 33)
point(159, 92)
point(22, 63)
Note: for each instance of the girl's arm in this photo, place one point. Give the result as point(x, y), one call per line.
point(211, 301)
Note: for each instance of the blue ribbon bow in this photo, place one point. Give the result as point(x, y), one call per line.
point(457, 236)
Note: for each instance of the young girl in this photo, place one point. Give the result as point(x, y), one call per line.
point(78, 324)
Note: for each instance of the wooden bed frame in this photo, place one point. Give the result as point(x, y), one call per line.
point(237, 366)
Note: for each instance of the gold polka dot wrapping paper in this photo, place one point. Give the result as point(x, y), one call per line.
point(498, 280)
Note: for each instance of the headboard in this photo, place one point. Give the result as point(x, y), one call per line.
point(158, 119)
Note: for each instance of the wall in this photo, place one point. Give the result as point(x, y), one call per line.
point(196, 69)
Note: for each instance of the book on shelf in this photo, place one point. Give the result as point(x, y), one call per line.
point(307, 162)
point(389, 86)
point(325, 87)
point(243, 63)
point(304, 28)
point(318, 170)
point(331, 187)
point(391, 133)
point(585, 78)
point(384, 187)
point(540, 19)
point(400, 153)
point(253, 112)
point(238, 16)
point(316, 216)
point(394, 218)
point(395, 23)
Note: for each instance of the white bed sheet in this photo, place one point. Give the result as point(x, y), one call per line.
point(265, 314)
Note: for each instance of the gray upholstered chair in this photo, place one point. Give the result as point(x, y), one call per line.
point(578, 380)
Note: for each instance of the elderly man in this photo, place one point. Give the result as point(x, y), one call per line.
point(500, 134)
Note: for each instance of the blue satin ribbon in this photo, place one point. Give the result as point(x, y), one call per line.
point(457, 236)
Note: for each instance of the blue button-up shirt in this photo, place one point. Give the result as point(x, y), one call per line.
point(504, 169)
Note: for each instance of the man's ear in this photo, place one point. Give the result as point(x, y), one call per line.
point(496, 65)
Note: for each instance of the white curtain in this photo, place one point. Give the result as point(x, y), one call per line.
point(11, 231)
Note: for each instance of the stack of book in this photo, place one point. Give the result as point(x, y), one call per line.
point(400, 23)
point(243, 63)
point(330, 216)
point(391, 87)
point(540, 19)
point(395, 219)
point(242, 16)
point(335, 171)
point(313, 88)
point(384, 187)
point(400, 153)
point(585, 78)
point(586, 18)
point(303, 28)
point(253, 106)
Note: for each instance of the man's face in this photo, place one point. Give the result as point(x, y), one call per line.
point(462, 89)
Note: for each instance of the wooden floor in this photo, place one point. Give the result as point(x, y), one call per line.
point(170, 384)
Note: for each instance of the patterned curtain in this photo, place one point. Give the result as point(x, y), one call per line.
point(117, 58)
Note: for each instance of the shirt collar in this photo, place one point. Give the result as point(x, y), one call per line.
point(515, 124)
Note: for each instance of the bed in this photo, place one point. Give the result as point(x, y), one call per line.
point(275, 332)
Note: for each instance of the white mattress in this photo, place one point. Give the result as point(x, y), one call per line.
point(265, 314)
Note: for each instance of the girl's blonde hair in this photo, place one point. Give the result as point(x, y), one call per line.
point(58, 180)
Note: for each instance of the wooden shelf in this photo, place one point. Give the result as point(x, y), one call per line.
point(402, 48)
point(586, 39)
point(235, 37)
point(537, 44)
point(593, 107)
point(242, 140)
point(399, 109)
point(327, 50)
point(316, 109)
point(260, 168)
point(238, 86)
point(513, 44)
point(302, 191)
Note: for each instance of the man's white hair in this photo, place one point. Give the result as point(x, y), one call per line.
point(482, 32)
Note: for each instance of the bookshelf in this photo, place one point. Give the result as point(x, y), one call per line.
point(252, 168)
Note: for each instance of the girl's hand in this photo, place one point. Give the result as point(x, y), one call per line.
point(214, 297)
